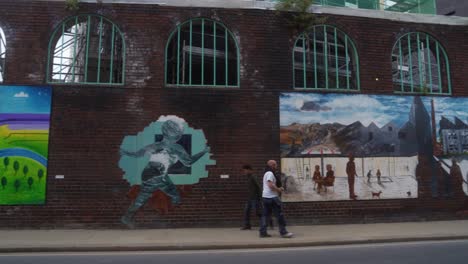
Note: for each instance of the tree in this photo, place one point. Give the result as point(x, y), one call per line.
point(17, 184)
point(4, 182)
point(6, 162)
point(30, 182)
point(40, 174)
point(25, 170)
point(298, 14)
point(16, 166)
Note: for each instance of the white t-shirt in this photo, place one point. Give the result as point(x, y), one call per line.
point(267, 191)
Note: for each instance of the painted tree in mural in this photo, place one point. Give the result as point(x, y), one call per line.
point(17, 185)
point(25, 170)
point(16, 166)
point(6, 162)
point(30, 182)
point(40, 174)
point(4, 182)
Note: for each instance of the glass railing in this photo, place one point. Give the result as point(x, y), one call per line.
point(404, 6)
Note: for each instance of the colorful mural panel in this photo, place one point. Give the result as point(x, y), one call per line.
point(24, 140)
point(159, 159)
point(342, 146)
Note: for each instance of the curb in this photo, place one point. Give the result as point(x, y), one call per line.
point(181, 247)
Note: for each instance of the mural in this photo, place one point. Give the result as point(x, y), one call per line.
point(24, 138)
point(451, 144)
point(159, 159)
point(337, 147)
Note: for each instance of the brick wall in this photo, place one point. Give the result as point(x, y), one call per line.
point(88, 123)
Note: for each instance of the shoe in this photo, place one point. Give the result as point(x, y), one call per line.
point(287, 235)
point(264, 235)
point(246, 228)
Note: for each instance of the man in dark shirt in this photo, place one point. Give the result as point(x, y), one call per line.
point(253, 198)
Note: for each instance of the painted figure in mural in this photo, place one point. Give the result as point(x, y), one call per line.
point(369, 175)
point(456, 174)
point(317, 177)
point(253, 201)
point(378, 174)
point(351, 172)
point(271, 202)
point(162, 156)
point(329, 179)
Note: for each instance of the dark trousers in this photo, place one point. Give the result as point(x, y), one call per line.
point(251, 204)
point(272, 206)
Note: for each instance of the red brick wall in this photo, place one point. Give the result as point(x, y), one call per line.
point(88, 123)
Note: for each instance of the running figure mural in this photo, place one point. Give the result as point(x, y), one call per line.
point(156, 163)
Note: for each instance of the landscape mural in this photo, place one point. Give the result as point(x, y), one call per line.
point(24, 138)
point(341, 146)
point(161, 163)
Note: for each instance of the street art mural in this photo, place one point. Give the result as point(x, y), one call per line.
point(24, 140)
point(338, 147)
point(161, 162)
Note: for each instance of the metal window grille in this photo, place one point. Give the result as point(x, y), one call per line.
point(87, 49)
point(325, 58)
point(420, 65)
point(202, 52)
point(2, 54)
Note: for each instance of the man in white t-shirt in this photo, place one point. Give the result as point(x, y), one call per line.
point(272, 202)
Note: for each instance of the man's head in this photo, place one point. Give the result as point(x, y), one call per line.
point(171, 130)
point(272, 164)
point(317, 167)
point(329, 167)
point(247, 169)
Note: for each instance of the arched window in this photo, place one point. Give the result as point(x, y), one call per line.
point(420, 65)
point(202, 52)
point(87, 49)
point(325, 58)
point(2, 54)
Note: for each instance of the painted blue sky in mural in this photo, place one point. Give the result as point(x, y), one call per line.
point(307, 108)
point(25, 100)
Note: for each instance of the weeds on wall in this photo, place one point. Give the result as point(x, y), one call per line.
point(298, 14)
point(72, 5)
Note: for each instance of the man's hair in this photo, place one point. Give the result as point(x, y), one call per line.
point(247, 167)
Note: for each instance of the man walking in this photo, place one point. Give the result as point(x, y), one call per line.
point(254, 196)
point(351, 171)
point(272, 202)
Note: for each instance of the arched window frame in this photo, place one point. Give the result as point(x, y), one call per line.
point(116, 32)
point(348, 46)
point(2, 55)
point(228, 33)
point(420, 86)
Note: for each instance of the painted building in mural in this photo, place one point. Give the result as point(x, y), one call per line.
point(142, 113)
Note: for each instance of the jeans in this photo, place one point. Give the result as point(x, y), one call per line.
point(272, 205)
point(251, 204)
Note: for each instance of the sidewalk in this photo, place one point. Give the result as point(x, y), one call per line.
point(225, 238)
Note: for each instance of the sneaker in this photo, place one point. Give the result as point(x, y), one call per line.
point(264, 235)
point(287, 235)
point(246, 228)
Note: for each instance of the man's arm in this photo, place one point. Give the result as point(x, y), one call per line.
point(274, 188)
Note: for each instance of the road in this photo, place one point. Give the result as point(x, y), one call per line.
point(436, 252)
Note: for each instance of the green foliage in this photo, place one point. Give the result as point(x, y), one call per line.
point(30, 182)
point(25, 170)
point(299, 16)
point(6, 162)
point(4, 182)
point(17, 185)
point(72, 5)
point(16, 166)
point(40, 174)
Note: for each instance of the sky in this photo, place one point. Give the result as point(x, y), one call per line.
point(25, 99)
point(349, 108)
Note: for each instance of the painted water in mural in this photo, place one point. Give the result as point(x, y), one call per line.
point(24, 138)
point(338, 147)
point(159, 163)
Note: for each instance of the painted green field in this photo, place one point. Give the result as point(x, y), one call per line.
point(34, 140)
point(19, 185)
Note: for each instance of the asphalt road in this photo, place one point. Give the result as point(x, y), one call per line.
point(437, 252)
